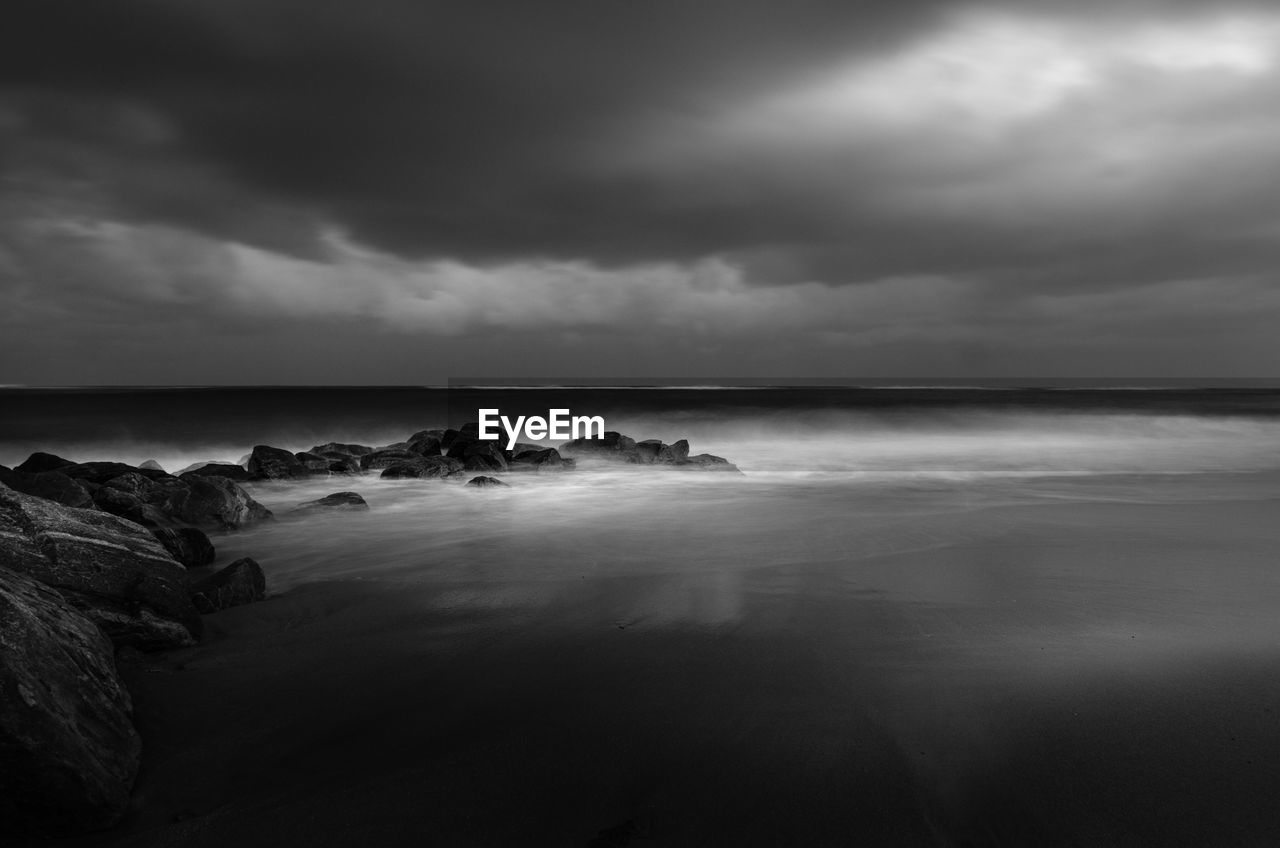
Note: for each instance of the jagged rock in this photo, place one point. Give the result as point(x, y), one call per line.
point(487, 482)
point(708, 462)
point(187, 545)
point(314, 463)
point(446, 440)
point(67, 743)
point(481, 456)
point(216, 469)
point(51, 485)
point(654, 452)
point(241, 582)
point(424, 466)
point(547, 459)
point(338, 500)
point(151, 465)
point(41, 461)
point(614, 446)
point(268, 463)
point(426, 434)
point(112, 570)
point(342, 448)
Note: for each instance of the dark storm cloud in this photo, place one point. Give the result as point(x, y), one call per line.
point(707, 177)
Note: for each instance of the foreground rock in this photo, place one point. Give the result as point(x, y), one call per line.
point(487, 483)
point(241, 582)
point(67, 744)
point(112, 570)
point(338, 500)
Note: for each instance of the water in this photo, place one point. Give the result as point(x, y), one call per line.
point(922, 616)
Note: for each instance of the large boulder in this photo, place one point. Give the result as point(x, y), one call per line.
point(338, 500)
point(268, 463)
point(481, 456)
point(342, 463)
point(214, 503)
point(613, 446)
point(424, 444)
point(424, 466)
point(187, 545)
point(314, 463)
point(51, 485)
point(654, 452)
point(112, 570)
point(217, 503)
point(241, 582)
point(96, 473)
point(67, 744)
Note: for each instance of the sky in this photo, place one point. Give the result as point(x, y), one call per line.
point(388, 192)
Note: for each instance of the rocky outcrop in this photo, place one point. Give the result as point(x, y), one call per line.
point(424, 444)
point(112, 570)
point(481, 456)
point(268, 463)
point(218, 503)
point(241, 582)
point(338, 500)
point(341, 448)
point(151, 465)
point(67, 743)
point(314, 463)
point(487, 483)
point(187, 545)
point(424, 466)
point(342, 463)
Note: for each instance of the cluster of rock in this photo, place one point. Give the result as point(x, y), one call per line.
point(95, 558)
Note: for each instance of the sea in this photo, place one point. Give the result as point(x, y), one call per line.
point(1058, 601)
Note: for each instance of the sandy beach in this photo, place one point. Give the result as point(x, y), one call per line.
point(1076, 673)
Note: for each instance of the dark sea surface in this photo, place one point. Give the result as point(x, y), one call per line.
point(955, 616)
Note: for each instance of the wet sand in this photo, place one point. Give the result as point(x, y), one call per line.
point(1073, 674)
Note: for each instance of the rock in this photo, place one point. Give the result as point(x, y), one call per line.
point(446, 439)
point(67, 742)
point(216, 469)
point(341, 463)
point(547, 459)
point(112, 570)
point(96, 473)
point(680, 450)
point(654, 452)
point(338, 500)
point(151, 465)
point(268, 463)
point(426, 434)
point(187, 545)
point(481, 456)
point(487, 482)
point(708, 462)
point(241, 582)
point(314, 463)
point(614, 446)
point(424, 466)
point(523, 447)
point(425, 445)
point(342, 448)
point(50, 485)
point(217, 503)
point(386, 457)
point(40, 461)
point(213, 503)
